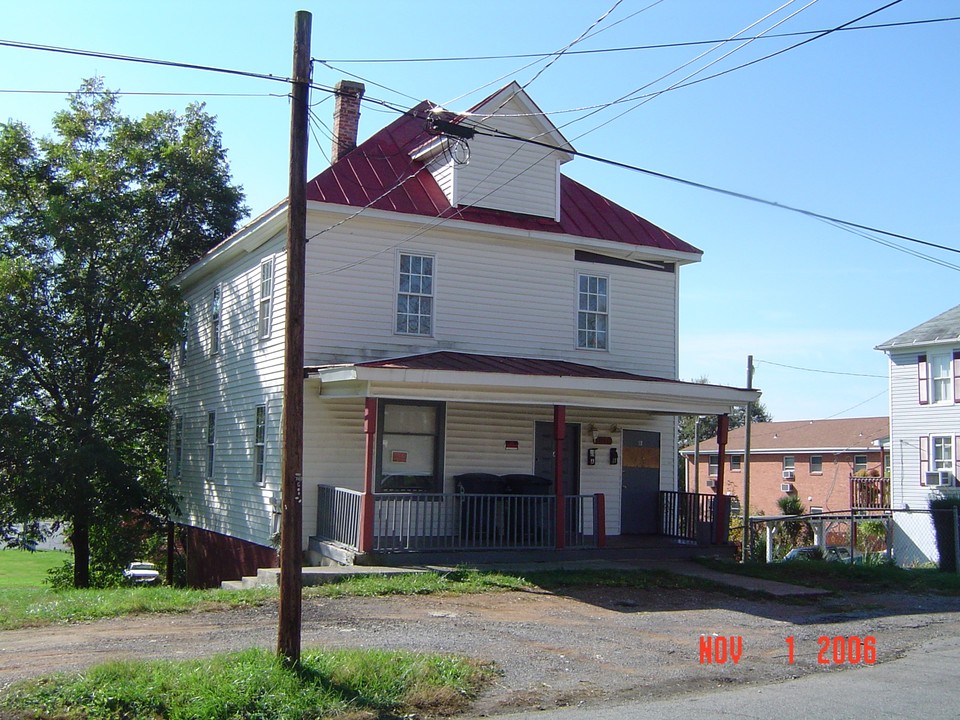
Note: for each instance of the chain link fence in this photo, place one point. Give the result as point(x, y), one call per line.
point(907, 537)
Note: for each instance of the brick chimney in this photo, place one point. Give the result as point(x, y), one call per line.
point(346, 118)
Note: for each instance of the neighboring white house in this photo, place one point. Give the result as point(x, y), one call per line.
point(924, 427)
point(467, 296)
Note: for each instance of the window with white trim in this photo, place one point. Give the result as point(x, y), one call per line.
point(259, 443)
point(941, 377)
point(592, 312)
point(415, 295)
point(816, 464)
point(185, 335)
point(216, 307)
point(211, 442)
point(736, 463)
point(713, 465)
point(177, 468)
point(859, 463)
point(941, 452)
point(265, 302)
point(789, 462)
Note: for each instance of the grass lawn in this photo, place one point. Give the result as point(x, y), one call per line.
point(256, 684)
point(22, 568)
point(842, 577)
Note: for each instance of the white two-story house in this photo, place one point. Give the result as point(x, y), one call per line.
point(478, 321)
point(924, 428)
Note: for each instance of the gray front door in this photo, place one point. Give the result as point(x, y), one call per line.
point(544, 448)
point(640, 494)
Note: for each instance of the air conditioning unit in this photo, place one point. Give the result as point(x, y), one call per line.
point(788, 475)
point(786, 487)
point(711, 483)
point(939, 477)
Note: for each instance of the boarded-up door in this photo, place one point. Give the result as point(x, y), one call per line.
point(640, 482)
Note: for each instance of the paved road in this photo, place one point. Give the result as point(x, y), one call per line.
point(921, 684)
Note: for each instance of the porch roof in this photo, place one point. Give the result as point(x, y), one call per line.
point(465, 377)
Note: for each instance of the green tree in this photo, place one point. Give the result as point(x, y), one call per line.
point(688, 430)
point(95, 222)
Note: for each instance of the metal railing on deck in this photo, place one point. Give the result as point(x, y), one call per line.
point(338, 515)
point(687, 516)
point(417, 522)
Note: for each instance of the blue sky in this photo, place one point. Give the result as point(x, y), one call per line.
point(858, 125)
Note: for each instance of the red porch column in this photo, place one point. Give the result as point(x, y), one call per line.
point(559, 435)
point(366, 500)
point(723, 426)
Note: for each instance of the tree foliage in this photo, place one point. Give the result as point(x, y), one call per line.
point(95, 222)
point(687, 424)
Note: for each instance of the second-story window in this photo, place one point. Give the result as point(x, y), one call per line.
point(816, 464)
point(713, 465)
point(592, 312)
point(859, 463)
point(736, 463)
point(415, 295)
point(216, 307)
point(265, 306)
point(941, 377)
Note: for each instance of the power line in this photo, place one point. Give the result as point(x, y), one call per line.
point(825, 372)
point(146, 61)
point(703, 186)
point(120, 93)
point(633, 48)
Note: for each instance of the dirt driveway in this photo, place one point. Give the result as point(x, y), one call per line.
point(587, 646)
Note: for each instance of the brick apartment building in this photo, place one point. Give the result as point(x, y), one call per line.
point(812, 459)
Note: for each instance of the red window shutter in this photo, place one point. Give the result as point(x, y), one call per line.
point(956, 376)
point(924, 458)
point(923, 387)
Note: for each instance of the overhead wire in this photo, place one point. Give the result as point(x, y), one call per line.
point(635, 48)
point(815, 370)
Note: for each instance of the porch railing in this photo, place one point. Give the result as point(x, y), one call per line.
point(687, 516)
point(412, 522)
point(338, 515)
point(869, 493)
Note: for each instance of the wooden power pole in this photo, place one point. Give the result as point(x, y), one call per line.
point(291, 514)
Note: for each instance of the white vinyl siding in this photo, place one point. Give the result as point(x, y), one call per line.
point(247, 373)
point(498, 295)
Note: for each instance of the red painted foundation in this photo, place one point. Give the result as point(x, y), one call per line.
point(212, 558)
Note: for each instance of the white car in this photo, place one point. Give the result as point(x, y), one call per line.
point(142, 572)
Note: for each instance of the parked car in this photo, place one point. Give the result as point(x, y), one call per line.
point(142, 572)
point(832, 553)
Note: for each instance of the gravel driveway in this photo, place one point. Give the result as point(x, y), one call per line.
point(587, 646)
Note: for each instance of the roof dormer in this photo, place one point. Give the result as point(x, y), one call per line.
point(494, 171)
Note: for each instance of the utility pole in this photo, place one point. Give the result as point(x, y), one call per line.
point(745, 550)
point(291, 514)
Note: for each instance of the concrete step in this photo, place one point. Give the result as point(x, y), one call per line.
point(315, 575)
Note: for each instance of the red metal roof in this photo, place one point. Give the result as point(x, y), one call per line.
point(466, 362)
point(381, 174)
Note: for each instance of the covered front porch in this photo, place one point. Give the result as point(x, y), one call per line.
point(480, 454)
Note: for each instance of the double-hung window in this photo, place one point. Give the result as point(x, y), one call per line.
point(816, 464)
point(177, 468)
point(713, 465)
point(265, 304)
point(736, 463)
point(942, 451)
point(415, 295)
point(211, 442)
point(859, 463)
point(941, 377)
point(259, 443)
point(592, 312)
point(216, 308)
